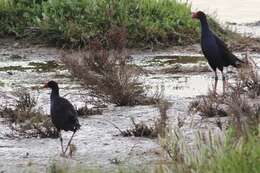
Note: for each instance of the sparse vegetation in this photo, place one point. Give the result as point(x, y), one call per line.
point(249, 77)
point(108, 74)
point(158, 129)
point(242, 43)
point(25, 120)
point(140, 130)
point(208, 106)
point(210, 153)
point(245, 89)
point(85, 111)
point(241, 149)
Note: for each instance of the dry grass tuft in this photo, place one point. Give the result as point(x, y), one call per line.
point(208, 106)
point(159, 128)
point(161, 123)
point(234, 105)
point(140, 130)
point(25, 121)
point(238, 95)
point(244, 116)
point(85, 111)
point(241, 43)
point(239, 103)
point(249, 77)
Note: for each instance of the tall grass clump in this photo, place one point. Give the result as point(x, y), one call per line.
point(210, 154)
point(16, 17)
point(241, 158)
point(75, 23)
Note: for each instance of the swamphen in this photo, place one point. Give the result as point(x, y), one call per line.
point(215, 50)
point(63, 114)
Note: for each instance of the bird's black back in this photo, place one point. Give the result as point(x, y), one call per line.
point(63, 114)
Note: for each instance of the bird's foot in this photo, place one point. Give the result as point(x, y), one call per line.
point(72, 149)
point(214, 93)
point(63, 155)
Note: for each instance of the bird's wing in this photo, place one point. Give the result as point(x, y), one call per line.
point(69, 113)
point(64, 108)
point(65, 105)
point(228, 56)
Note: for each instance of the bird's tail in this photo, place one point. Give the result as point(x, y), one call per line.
point(76, 125)
point(236, 62)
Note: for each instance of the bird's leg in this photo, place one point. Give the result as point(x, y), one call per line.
point(224, 82)
point(61, 142)
point(69, 141)
point(216, 82)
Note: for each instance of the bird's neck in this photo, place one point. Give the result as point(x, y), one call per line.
point(204, 25)
point(55, 93)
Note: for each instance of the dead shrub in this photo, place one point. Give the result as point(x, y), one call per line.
point(248, 75)
point(208, 106)
point(241, 44)
point(161, 123)
point(244, 116)
point(140, 130)
point(242, 104)
point(242, 112)
point(26, 121)
point(86, 111)
point(108, 74)
point(158, 128)
point(93, 106)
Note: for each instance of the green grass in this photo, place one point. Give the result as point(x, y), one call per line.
point(244, 158)
point(74, 22)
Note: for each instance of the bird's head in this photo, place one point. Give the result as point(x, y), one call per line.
point(51, 84)
point(198, 15)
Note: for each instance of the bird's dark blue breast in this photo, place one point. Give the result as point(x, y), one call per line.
point(63, 114)
point(211, 50)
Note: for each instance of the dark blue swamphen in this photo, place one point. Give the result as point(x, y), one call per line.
point(63, 114)
point(215, 50)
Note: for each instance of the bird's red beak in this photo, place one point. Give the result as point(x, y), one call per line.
point(194, 15)
point(45, 86)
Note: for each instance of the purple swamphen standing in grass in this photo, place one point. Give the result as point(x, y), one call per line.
point(63, 114)
point(215, 50)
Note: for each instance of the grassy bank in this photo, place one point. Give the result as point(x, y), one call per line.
point(74, 23)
